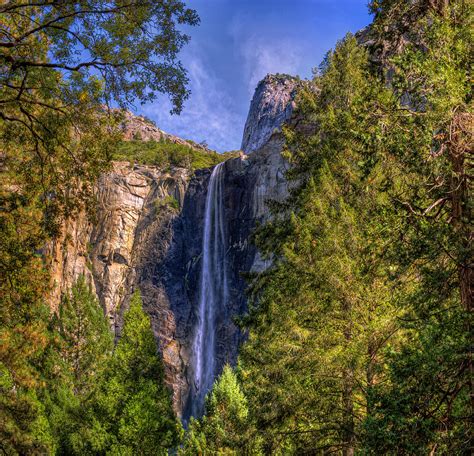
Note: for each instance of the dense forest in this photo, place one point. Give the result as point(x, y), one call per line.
point(359, 336)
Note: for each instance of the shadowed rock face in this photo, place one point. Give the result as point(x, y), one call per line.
point(122, 245)
point(247, 183)
point(137, 239)
point(106, 245)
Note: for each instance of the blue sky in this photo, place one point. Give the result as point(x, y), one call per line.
point(237, 43)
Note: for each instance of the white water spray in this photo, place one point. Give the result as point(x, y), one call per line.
point(213, 290)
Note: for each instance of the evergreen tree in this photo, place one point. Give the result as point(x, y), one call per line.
point(80, 349)
point(324, 311)
point(223, 430)
point(370, 288)
point(24, 427)
point(427, 406)
point(61, 63)
point(131, 412)
point(85, 335)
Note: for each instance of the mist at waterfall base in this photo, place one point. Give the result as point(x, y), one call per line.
point(213, 293)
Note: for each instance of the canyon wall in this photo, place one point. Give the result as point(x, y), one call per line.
point(147, 231)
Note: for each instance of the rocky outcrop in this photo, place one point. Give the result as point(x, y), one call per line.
point(272, 105)
point(104, 244)
point(117, 245)
point(147, 233)
point(142, 129)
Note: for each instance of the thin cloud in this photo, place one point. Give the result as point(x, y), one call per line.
point(208, 115)
point(238, 43)
point(262, 57)
point(264, 53)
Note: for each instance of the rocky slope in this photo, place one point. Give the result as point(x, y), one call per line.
point(142, 129)
point(147, 233)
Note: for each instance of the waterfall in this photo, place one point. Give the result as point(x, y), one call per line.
point(213, 291)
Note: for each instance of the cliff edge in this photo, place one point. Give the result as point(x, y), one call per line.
point(272, 105)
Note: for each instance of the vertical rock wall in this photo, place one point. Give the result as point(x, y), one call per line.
point(139, 239)
point(272, 105)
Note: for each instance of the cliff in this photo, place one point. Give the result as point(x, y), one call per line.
point(147, 232)
point(272, 105)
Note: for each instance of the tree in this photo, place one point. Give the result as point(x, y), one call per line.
point(86, 339)
point(360, 333)
point(429, 398)
point(323, 313)
point(129, 47)
point(224, 427)
point(24, 427)
point(131, 412)
point(23, 328)
point(67, 365)
point(424, 404)
point(74, 362)
point(62, 65)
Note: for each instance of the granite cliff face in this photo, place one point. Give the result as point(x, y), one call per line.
point(248, 182)
point(147, 233)
point(130, 228)
point(272, 105)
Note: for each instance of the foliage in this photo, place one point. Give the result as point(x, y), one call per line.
point(166, 153)
point(80, 348)
point(126, 50)
point(101, 401)
point(323, 312)
point(424, 404)
point(61, 64)
point(131, 412)
point(360, 334)
point(85, 335)
point(168, 202)
point(427, 397)
point(23, 326)
point(24, 428)
point(223, 430)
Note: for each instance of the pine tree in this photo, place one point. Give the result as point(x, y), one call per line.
point(360, 334)
point(132, 412)
point(324, 311)
point(427, 405)
point(80, 348)
point(23, 326)
point(86, 337)
point(224, 428)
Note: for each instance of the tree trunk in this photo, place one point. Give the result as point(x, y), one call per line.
point(370, 374)
point(347, 393)
point(348, 420)
point(460, 146)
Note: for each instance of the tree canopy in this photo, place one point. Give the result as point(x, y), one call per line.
point(63, 66)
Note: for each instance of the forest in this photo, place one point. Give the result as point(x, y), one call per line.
point(358, 337)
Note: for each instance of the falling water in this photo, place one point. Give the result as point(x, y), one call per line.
point(213, 290)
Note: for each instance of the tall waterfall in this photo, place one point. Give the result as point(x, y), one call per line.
point(213, 290)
